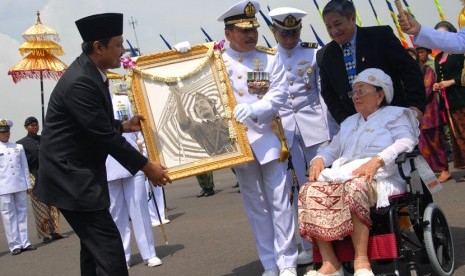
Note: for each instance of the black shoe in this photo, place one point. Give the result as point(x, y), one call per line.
point(236, 185)
point(16, 251)
point(202, 193)
point(29, 248)
point(47, 240)
point(209, 193)
point(56, 236)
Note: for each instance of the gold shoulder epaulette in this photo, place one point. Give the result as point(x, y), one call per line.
point(271, 51)
point(309, 45)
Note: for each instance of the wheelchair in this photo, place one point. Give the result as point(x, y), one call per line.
point(428, 239)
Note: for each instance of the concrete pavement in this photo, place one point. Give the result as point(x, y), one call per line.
point(207, 236)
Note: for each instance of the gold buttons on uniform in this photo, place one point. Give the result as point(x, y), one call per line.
point(246, 128)
point(239, 77)
point(241, 93)
point(259, 97)
point(295, 110)
point(291, 83)
point(289, 69)
point(292, 97)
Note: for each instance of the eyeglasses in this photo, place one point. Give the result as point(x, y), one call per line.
point(359, 93)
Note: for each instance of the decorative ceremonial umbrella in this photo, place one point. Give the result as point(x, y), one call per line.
point(40, 61)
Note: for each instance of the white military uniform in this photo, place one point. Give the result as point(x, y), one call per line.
point(305, 117)
point(128, 198)
point(14, 183)
point(263, 181)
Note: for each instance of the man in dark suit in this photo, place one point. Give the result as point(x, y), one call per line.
point(370, 47)
point(79, 133)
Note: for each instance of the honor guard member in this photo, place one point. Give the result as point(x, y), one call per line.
point(259, 86)
point(305, 117)
point(128, 195)
point(46, 217)
point(14, 187)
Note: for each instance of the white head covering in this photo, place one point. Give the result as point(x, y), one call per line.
point(377, 77)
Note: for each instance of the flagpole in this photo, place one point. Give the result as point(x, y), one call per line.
point(396, 23)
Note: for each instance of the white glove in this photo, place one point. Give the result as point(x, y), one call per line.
point(183, 47)
point(243, 111)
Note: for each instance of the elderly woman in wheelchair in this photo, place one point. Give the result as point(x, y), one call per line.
point(363, 174)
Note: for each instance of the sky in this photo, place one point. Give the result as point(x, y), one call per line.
point(177, 21)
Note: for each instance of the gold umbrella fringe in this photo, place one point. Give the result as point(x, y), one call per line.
point(39, 47)
point(40, 32)
point(20, 75)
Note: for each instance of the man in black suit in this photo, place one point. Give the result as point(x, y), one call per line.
point(370, 47)
point(79, 133)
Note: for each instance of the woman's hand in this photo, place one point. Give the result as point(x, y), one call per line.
point(317, 166)
point(369, 169)
point(443, 84)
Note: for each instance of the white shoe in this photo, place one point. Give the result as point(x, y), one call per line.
point(305, 257)
point(128, 266)
point(271, 272)
point(288, 272)
point(340, 272)
point(154, 261)
point(364, 272)
point(157, 223)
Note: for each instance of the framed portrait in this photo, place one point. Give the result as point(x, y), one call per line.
point(187, 102)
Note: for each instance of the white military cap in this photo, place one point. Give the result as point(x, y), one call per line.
point(5, 125)
point(287, 20)
point(242, 15)
point(377, 77)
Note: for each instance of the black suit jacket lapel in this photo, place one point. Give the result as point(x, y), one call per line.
point(361, 48)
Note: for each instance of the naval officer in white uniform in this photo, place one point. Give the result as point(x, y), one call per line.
point(259, 86)
point(14, 187)
point(305, 117)
point(128, 195)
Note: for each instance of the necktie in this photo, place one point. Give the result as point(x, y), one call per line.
point(349, 62)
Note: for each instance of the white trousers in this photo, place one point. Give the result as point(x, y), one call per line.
point(158, 193)
point(265, 196)
point(13, 208)
point(128, 199)
point(301, 156)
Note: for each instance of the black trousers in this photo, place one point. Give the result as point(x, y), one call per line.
point(102, 252)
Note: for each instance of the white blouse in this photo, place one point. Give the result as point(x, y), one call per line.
point(387, 133)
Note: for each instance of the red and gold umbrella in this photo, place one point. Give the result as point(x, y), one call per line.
point(40, 62)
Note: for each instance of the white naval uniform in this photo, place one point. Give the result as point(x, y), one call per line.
point(128, 199)
point(305, 117)
point(263, 181)
point(14, 183)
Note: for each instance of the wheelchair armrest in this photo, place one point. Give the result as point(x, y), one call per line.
point(402, 158)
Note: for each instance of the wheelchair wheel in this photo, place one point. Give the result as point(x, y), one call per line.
point(438, 241)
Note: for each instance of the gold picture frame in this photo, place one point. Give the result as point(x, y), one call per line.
point(173, 90)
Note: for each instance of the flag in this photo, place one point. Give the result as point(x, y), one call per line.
point(166, 42)
point(318, 39)
point(374, 12)
point(399, 30)
point(209, 39)
point(267, 43)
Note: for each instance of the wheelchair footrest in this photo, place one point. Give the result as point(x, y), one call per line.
point(379, 247)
